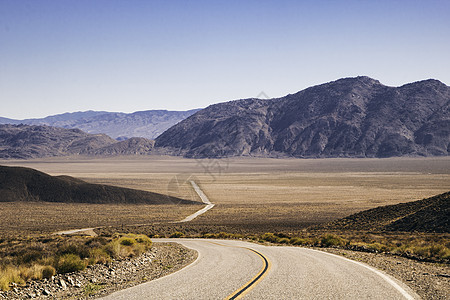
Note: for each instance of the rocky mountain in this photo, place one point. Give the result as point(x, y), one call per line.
point(32, 141)
point(132, 146)
point(350, 117)
point(25, 184)
point(427, 215)
point(147, 124)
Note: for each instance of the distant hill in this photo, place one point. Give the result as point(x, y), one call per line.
point(427, 215)
point(31, 141)
point(25, 184)
point(132, 146)
point(350, 117)
point(147, 124)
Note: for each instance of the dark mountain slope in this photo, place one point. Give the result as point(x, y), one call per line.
point(352, 117)
point(24, 184)
point(427, 215)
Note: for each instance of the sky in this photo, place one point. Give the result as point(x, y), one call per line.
point(64, 56)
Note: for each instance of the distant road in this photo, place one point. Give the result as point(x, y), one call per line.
point(205, 200)
point(224, 268)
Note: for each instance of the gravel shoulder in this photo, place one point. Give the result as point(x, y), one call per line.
point(428, 280)
point(103, 279)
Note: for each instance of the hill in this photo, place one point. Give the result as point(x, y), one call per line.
point(427, 215)
point(147, 124)
point(350, 117)
point(26, 185)
point(31, 141)
point(25, 141)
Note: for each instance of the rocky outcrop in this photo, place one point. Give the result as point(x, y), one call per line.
point(351, 117)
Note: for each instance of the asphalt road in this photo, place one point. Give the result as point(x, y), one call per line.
point(205, 200)
point(225, 267)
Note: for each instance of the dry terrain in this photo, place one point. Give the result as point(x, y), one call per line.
point(264, 194)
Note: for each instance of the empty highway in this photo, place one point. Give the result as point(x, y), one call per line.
point(227, 269)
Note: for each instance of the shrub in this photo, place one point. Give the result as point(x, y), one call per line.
point(298, 241)
point(127, 241)
point(143, 239)
point(70, 263)
point(128, 246)
point(270, 237)
point(378, 247)
point(331, 240)
point(48, 272)
point(98, 255)
point(9, 275)
point(283, 241)
point(177, 234)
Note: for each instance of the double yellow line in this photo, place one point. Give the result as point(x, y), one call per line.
point(243, 290)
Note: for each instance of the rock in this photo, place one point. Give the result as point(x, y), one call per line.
point(70, 280)
point(63, 284)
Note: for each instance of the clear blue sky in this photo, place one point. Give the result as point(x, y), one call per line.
point(58, 56)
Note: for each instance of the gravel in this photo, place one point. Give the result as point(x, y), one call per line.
point(428, 280)
point(103, 279)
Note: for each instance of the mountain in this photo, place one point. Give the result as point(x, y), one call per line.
point(132, 146)
point(427, 215)
point(147, 124)
point(29, 141)
point(350, 117)
point(25, 184)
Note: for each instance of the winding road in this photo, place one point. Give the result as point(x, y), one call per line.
point(228, 269)
point(205, 200)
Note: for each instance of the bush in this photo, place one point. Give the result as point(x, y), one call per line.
point(298, 241)
point(70, 263)
point(98, 255)
point(331, 240)
point(270, 237)
point(378, 247)
point(284, 241)
point(128, 246)
point(126, 241)
point(9, 275)
point(48, 272)
point(177, 234)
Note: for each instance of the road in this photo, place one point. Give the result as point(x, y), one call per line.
point(225, 267)
point(205, 200)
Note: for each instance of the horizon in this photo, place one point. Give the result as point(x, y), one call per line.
point(63, 56)
point(200, 108)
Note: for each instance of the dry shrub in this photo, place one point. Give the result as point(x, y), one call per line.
point(70, 263)
point(10, 275)
point(98, 255)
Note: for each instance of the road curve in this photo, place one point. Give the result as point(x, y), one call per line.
point(205, 200)
point(224, 267)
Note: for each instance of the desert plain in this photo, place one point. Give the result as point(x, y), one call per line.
point(251, 194)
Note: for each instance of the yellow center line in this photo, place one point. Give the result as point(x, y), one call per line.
point(243, 290)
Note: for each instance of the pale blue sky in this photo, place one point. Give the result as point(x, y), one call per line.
point(59, 56)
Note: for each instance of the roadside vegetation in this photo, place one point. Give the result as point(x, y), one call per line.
point(422, 247)
point(36, 258)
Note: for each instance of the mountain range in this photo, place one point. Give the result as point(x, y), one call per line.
point(33, 141)
point(147, 124)
point(350, 117)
